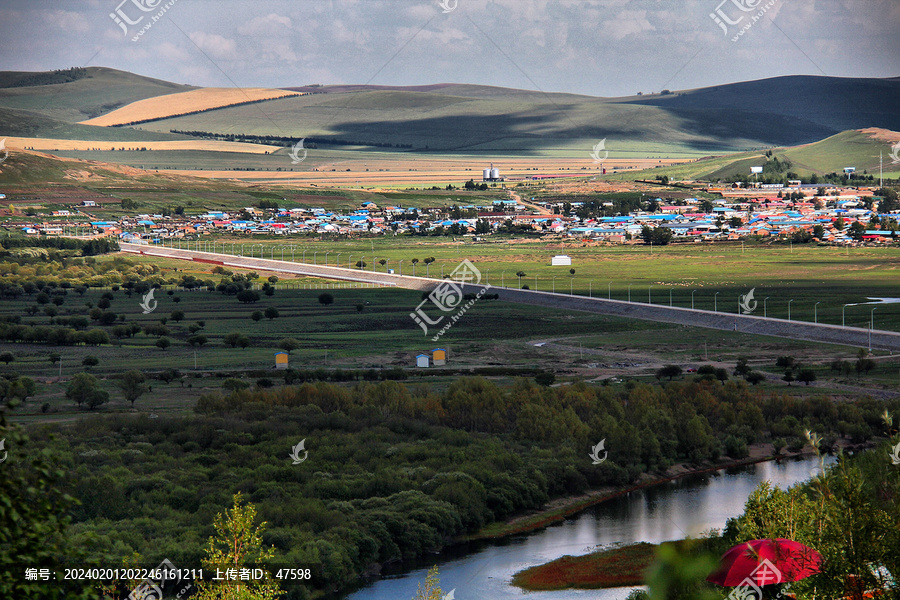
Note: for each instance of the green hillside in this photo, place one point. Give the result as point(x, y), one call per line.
point(21, 123)
point(846, 149)
point(100, 91)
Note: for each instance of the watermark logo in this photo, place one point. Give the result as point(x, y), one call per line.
point(150, 589)
point(296, 159)
point(148, 303)
point(449, 296)
point(723, 19)
point(747, 303)
point(449, 5)
point(296, 450)
point(123, 19)
point(451, 595)
point(895, 153)
point(895, 455)
point(598, 148)
point(5, 152)
point(3, 448)
point(595, 452)
point(751, 587)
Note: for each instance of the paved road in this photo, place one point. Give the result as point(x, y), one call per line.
point(798, 330)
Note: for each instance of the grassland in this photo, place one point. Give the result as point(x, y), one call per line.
point(806, 273)
point(102, 91)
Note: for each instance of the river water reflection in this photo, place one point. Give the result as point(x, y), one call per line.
point(669, 511)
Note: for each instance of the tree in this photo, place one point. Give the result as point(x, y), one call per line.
point(806, 376)
point(85, 389)
point(197, 340)
point(755, 377)
point(360, 264)
point(288, 344)
point(256, 315)
point(232, 339)
point(238, 544)
point(177, 315)
point(34, 522)
point(545, 378)
point(788, 376)
point(54, 357)
point(706, 206)
point(742, 368)
point(670, 371)
point(273, 279)
point(90, 361)
point(326, 299)
point(857, 231)
point(271, 313)
point(163, 343)
point(432, 589)
point(839, 224)
point(169, 375)
point(247, 296)
point(23, 388)
point(133, 385)
point(7, 357)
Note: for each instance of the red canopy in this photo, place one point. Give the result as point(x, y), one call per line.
point(766, 562)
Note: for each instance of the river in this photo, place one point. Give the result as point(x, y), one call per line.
point(669, 511)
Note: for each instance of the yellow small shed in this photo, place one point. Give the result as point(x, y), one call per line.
point(281, 360)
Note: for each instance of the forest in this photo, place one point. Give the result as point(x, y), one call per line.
point(394, 471)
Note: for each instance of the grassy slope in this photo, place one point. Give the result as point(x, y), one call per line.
point(846, 149)
point(101, 91)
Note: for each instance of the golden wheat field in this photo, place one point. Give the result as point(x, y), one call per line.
point(170, 105)
point(396, 172)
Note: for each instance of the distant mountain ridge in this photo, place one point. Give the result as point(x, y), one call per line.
point(453, 117)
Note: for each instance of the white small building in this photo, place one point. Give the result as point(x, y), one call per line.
point(561, 260)
point(423, 361)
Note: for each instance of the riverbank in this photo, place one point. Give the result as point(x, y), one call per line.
point(563, 508)
point(614, 568)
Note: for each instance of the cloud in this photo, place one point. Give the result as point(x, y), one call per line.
point(265, 26)
point(215, 45)
point(627, 23)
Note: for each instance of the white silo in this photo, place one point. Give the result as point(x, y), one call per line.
point(487, 174)
point(495, 174)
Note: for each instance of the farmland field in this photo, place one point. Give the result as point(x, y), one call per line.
point(160, 107)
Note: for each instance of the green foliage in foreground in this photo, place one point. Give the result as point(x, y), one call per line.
point(393, 471)
point(849, 515)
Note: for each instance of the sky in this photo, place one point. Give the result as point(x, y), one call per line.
point(594, 47)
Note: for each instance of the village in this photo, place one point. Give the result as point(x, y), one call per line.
point(800, 211)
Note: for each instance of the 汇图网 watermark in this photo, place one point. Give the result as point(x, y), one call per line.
point(741, 9)
point(295, 453)
point(296, 159)
point(150, 589)
point(751, 587)
point(123, 19)
point(448, 297)
point(148, 303)
point(595, 452)
point(747, 303)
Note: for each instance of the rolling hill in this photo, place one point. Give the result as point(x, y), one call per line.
point(98, 91)
point(452, 118)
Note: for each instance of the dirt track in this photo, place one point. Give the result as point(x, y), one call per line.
point(797, 330)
